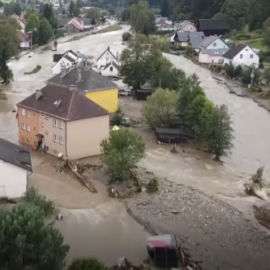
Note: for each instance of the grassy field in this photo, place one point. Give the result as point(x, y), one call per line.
point(113, 27)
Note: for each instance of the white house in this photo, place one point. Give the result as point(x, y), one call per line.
point(212, 56)
point(213, 42)
point(106, 57)
point(112, 69)
point(15, 166)
point(185, 26)
point(243, 55)
point(67, 59)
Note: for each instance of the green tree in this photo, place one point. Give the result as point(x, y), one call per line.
point(45, 31)
point(219, 135)
point(86, 264)
point(142, 18)
point(121, 152)
point(165, 8)
point(138, 63)
point(266, 37)
point(32, 23)
point(8, 48)
point(48, 14)
point(125, 15)
point(235, 9)
point(93, 13)
point(71, 8)
point(159, 110)
point(30, 243)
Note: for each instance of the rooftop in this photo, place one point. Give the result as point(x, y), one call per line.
point(234, 50)
point(90, 80)
point(208, 41)
point(213, 24)
point(214, 52)
point(63, 103)
point(15, 154)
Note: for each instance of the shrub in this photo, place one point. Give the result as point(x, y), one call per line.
point(35, 70)
point(126, 36)
point(86, 264)
point(152, 185)
point(33, 196)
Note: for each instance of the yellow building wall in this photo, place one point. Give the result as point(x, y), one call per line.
point(108, 99)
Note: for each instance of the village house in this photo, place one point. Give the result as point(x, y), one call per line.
point(243, 55)
point(212, 50)
point(24, 40)
point(67, 59)
point(76, 25)
point(213, 27)
point(185, 26)
point(20, 20)
point(106, 57)
point(195, 40)
point(112, 69)
point(187, 38)
point(62, 122)
point(96, 87)
point(15, 166)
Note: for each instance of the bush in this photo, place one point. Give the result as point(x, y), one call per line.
point(86, 264)
point(152, 185)
point(33, 196)
point(126, 36)
point(35, 70)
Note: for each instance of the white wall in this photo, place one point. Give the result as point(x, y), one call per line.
point(246, 60)
point(25, 45)
point(219, 45)
point(56, 69)
point(108, 72)
point(105, 59)
point(207, 59)
point(13, 180)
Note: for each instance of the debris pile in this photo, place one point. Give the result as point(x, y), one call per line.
point(186, 261)
point(77, 169)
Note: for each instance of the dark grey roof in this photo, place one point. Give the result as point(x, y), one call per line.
point(57, 57)
point(61, 22)
point(182, 36)
point(233, 51)
point(195, 41)
point(196, 34)
point(208, 41)
point(73, 106)
point(15, 154)
point(86, 21)
point(214, 52)
point(181, 25)
point(91, 80)
point(109, 50)
point(213, 24)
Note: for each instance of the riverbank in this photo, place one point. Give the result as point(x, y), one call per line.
point(215, 232)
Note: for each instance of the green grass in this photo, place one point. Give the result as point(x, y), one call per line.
point(256, 43)
point(113, 27)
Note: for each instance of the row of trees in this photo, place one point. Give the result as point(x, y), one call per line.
point(180, 99)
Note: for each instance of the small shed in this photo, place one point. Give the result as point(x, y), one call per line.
point(142, 94)
point(163, 250)
point(172, 135)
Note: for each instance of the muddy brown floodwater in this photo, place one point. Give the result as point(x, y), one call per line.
point(102, 228)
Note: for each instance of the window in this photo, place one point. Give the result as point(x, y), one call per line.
point(61, 140)
point(54, 138)
point(61, 124)
point(111, 68)
point(241, 56)
point(27, 113)
point(55, 122)
point(27, 127)
point(214, 44)
point(23, 112)
point(251, 56)
point(23, 126)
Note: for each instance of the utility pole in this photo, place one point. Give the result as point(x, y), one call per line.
point(252, 76)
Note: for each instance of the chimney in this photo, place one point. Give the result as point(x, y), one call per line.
point(63, 70)
point(38, 94)
point(72, 87)
point(79, 74)
point(108, 48)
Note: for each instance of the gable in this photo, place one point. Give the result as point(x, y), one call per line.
point(246, 52)
point(217, 44)
point(107, 53)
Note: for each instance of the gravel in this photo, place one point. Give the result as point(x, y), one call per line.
point(214, 231)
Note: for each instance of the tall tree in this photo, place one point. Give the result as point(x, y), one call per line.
point(142, 18)
point(32, 23)
point(219, 134)
point(28, 242)
point(165, 8)
point(45, 32)
point(71, 8)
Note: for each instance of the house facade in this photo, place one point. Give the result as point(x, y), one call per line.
point(185, 26)
point(96, 87)
point(106, 57)
point(15, 167)
point(24, 40)
point(64, 122)
point(68, 59)
point(242, 55)
point(112, 69)
point(213, 43)
point(212, 56)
